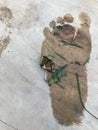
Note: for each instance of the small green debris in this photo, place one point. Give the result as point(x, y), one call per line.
point(56, 33)
point(60, 56)
point(71, 44)
point(57, 75)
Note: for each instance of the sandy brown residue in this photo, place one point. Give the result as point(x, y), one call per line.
point(5, 17)
point(66, 104)
point(5, 13)
point(3, 44)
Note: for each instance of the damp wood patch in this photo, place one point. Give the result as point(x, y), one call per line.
point(64, 55)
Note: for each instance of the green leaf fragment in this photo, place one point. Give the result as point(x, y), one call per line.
point(56, 33)
point(60, 56)
point(86, 61)
point(57, 75)
point(71, 44)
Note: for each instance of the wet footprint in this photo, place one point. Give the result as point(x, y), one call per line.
point(5, 17)
point(68, 49)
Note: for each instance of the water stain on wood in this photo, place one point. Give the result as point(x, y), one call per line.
point(66, 45)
